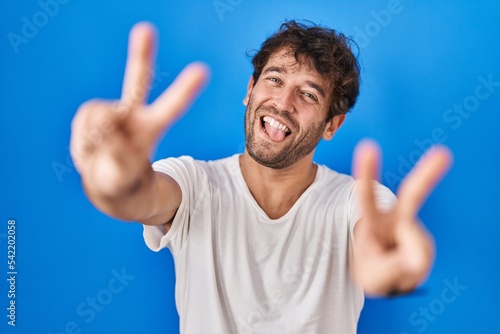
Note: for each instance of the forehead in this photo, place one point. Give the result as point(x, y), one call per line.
point(285, 60)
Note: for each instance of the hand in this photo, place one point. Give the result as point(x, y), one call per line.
point(393, 252)
point(111, 141)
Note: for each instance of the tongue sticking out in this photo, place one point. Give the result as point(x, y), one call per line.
point(275, 134)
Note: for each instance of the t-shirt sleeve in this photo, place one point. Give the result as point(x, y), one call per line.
point(384, 199)
point(189, 176)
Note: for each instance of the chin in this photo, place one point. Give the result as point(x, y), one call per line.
point(274, 161)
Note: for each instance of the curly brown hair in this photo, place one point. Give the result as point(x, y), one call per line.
point(330, 53)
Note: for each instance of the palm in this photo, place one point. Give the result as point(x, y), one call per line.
point(393, 251)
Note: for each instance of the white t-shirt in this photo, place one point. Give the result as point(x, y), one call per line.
point(238, 271)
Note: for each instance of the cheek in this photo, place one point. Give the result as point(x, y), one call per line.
point(313, 127)
point(262, 92)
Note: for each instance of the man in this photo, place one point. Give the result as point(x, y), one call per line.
point(266, 241)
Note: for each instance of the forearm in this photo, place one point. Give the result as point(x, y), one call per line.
point(134, 200)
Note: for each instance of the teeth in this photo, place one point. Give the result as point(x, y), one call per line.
point(275, 124)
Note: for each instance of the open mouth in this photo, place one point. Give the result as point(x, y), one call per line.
point(276, 130)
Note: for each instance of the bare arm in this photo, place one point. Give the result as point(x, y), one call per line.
point(394, 252)
point(111, 141)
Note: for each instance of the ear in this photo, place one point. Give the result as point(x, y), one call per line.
point(249, 91)
point(332, 126)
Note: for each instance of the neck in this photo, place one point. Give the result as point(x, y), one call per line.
point(277, 190)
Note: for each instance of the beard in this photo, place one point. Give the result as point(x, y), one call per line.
point(281, 155)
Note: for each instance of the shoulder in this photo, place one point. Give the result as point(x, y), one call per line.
point(329, 179)
point(224, 170)
point(332, 179)
point(189, 166)
point(174, 163)
point(332, 189)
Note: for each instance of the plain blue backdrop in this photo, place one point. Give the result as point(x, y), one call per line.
point(430, 74)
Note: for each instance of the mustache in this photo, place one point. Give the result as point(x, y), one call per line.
point(283, 114)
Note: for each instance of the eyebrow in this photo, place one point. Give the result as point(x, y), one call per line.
point(320, 89)
point(274, 69)
point(311, 84)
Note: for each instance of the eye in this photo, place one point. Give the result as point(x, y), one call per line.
point(275, 80)
point(310, 96)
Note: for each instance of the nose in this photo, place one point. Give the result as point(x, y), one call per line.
point(284, 101)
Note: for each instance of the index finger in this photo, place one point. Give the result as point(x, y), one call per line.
point(423, 178)
point(139, 68)
point(366, 168)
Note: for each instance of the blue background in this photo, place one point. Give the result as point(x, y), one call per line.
point(417, 63)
